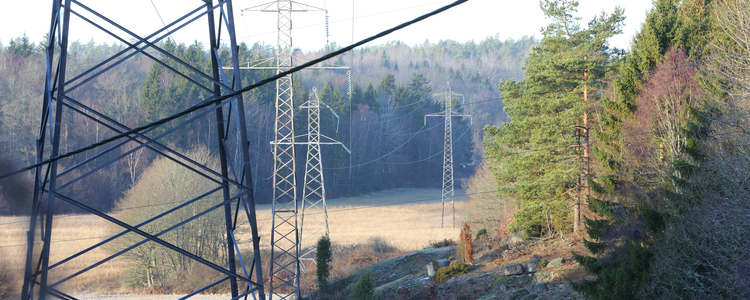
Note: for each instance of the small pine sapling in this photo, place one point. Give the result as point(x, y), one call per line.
point(364, 288)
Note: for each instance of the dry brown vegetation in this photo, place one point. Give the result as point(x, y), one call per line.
point(71, 233)
point(363, 231)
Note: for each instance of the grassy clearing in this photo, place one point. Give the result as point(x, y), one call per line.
point(359, 227)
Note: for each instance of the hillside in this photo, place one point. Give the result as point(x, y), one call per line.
point(494, 275)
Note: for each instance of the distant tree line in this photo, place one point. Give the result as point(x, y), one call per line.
point(383, 123)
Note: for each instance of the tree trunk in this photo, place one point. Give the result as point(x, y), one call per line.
point(582, 201)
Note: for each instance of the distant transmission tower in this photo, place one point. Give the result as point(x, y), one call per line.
point(448, 194)
point(228, 188)
point(314, 224)
point(285, 250)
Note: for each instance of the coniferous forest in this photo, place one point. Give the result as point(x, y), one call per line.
point(383, 123)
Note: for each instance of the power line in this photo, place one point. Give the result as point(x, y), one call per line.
point(430, 166)
point(507, 189)
point(619, 137)
point(211, 102)
point(612, 79)
point(349, 19)
point(431, 156)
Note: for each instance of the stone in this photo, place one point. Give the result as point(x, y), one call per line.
point(517, 295)
point(488, 297)
point(431, 269)
point(513, 269)
point(539, 288)
point(442, 263)
point(533, 265)
point(434, 265)
point(530, 297)
point(557, 262)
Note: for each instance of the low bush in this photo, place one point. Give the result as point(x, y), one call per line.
point(445, 273)
point(482, 232)
point(442, 244)
point(378, 244)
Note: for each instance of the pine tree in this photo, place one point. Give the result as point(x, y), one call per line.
point(549, 108)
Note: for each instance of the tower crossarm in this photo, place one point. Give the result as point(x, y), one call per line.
point(448, 114)
point(273, 7)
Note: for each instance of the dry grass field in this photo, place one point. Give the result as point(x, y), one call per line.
point(408, 219)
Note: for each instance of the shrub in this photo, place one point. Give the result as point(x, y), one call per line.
point(543, 263)
point(323, 261)
point(364, 289)
point(442, 244)
point(455, 268)
point(465, 250)
point(378, 244)
point(161, 183)
point(481, 233)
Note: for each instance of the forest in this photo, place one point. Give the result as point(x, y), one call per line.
point(641, 154)
point(382, 120)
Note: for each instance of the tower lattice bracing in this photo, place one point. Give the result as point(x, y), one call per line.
point(448, 193)
point(284, 267)
point(314, 221)
point(225, 189)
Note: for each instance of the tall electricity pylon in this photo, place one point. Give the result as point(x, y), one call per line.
point(448, 194)
point(229, 185)
point(285, 251)
point(314, 222)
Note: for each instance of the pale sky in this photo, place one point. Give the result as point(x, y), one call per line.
point(474, 20)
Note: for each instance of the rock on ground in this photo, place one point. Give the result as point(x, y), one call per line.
point(534, 265)
point(557, 262)
point(513, 269)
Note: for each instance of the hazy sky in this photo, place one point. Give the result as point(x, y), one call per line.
point(474, 20)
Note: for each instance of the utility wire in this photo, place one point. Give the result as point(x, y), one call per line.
point(430, 166)
point(620, 137)
point(348, 19)
point(485, 192)
point(611, 79)
point(431, 156)
point(211, 102)
point(506, 189)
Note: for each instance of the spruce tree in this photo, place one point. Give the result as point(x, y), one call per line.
point(152, 94)
point(623, 234)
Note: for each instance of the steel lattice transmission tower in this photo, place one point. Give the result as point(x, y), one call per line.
point(314, 222)
point(227, 186)
point(285, 251)
point(448, 114)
